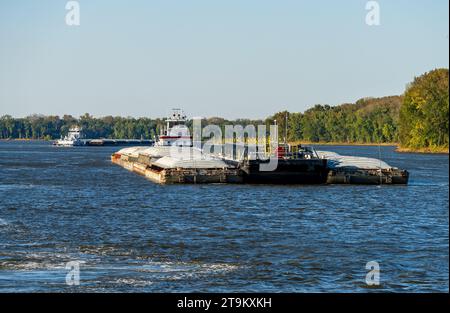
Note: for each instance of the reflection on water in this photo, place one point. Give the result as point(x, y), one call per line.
point(71, 204)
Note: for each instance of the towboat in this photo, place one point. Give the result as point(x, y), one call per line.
point(73, 138)
point(175, 133)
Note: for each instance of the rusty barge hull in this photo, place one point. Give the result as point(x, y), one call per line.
point(160, 168)
point(295, 172)
point(235, 175)
point(368, 176)
point(179, 175)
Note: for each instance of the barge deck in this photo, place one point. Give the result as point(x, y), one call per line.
point(156, 164)
point(168, 170)
point(173, 159)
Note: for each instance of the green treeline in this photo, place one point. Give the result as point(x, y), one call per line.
point(370, 120)
point(53, 127)
point(417, 120)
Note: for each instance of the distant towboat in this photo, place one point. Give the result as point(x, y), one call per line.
point(73, 138)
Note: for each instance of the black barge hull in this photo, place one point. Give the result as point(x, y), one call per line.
point(301, 171)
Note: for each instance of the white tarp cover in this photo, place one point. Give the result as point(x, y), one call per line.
point(160, 151)
point(171, 162)
point(131, 151)
point(175, 157)
point(338, 161)
point(156, 151)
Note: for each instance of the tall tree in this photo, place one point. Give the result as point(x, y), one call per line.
point(425, 111)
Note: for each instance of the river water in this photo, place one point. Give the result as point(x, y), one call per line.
point(127, 234)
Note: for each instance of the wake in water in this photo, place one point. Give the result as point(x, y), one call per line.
point(50, 270)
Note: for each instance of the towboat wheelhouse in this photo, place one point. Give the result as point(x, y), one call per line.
point(175, 133)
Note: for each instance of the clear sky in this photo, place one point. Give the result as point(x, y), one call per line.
point(230, 58)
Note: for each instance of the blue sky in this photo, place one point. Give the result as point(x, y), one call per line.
point(230, 58)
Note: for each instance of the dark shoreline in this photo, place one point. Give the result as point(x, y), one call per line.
point(398, 149)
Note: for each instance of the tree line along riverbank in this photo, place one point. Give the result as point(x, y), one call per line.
point(415, 121)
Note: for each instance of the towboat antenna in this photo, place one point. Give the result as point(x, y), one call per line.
point(277, 138)
point(285, 129)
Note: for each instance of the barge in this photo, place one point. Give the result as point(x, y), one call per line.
point(162, 164)
point(156, 164)
point(294, 164)
point(362, 170)
point(168, 170)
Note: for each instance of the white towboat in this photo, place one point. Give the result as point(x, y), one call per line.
point(73, 138)
point(175, 133)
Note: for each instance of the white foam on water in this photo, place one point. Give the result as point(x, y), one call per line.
point(421, 184)
point(7, 187)
point(31, 265)
point(183, 270)
point(133, 282)
point(38, 261)
point(3, 222)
